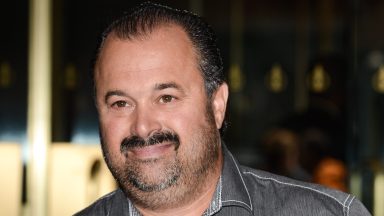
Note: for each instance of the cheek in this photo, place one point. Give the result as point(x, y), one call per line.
point(187, 123)
point(113, 132)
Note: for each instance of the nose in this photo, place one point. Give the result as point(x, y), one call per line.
point(145, 122)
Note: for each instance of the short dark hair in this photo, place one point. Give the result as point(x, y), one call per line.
point(143, 19)
point(146, 17)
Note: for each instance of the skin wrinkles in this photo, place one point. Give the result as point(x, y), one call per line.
point(165, 153)
point(158, 87)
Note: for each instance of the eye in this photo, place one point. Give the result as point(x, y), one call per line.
point(166, 99)
point(120, 104)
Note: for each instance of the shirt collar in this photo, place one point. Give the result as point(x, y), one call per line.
point(132, 210)
point(234, 191)
point(216, 202)
point(231, 189)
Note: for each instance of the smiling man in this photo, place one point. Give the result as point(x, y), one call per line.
point(158, 127)
point(161, 97)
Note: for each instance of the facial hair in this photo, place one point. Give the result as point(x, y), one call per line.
point(180, 179)
point(132, 173)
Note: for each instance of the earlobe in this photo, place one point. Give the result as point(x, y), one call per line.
point(219, 104)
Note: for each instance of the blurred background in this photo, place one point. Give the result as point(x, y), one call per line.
point(307, 95)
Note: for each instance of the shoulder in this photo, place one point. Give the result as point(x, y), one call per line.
point(297, 197)
point(104, 205)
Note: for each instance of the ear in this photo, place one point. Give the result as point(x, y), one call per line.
point(219, 104)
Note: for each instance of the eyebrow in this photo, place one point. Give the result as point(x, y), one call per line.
point(162, 86)
point(113, 93)
point(158, 87)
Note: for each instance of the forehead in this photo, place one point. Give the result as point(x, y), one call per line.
point(168, 44)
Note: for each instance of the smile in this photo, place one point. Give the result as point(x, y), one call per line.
point(152, 151)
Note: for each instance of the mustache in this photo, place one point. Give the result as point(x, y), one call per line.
point(156, 138)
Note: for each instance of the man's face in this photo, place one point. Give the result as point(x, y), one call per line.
point(158, 129)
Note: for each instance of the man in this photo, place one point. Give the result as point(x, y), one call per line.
point(161, 98)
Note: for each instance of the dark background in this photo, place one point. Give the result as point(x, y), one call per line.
point(345, 37)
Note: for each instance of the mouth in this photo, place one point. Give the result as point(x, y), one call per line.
point(152, 151)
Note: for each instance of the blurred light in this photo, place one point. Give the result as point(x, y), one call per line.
point(84, 136)
point(319, 80)
point(10, 181)
point(5, 75)
point(85, 172)
point(378, 207)
point(17, 136)
point(275, 79)
point(39, 105)
point(355, 183)
point(236, 78)
point(378, 80)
